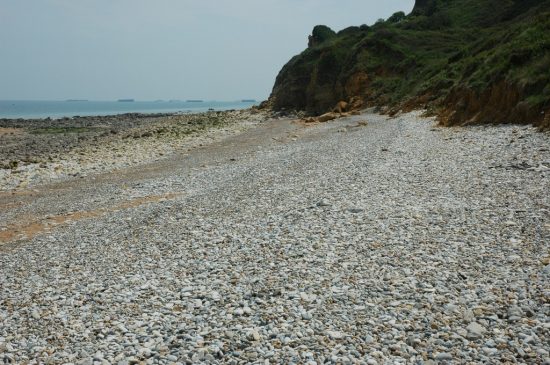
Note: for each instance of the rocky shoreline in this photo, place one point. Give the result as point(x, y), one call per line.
point(36, 151)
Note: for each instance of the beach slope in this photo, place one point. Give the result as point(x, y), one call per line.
point(365, 240)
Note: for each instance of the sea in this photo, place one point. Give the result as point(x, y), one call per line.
point(28, 109)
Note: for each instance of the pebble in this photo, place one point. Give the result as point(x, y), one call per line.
point(254, 335)
point(335, 335)
point(475, 330)
point(443, 356)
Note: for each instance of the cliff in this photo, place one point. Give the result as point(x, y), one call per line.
point(467, 61)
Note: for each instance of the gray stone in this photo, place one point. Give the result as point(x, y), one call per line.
point(443, 356)
point(475, 330)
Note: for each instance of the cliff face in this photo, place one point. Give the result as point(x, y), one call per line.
point(467, 61)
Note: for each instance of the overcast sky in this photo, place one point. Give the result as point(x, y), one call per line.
point(162, 49)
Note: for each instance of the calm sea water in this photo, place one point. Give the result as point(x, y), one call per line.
point(58, 109)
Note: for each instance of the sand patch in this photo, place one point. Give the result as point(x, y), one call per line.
point(7, 131)
point(26, 231)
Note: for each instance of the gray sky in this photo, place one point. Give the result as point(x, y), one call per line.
point(162, 49)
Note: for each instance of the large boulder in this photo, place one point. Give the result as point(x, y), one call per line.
point(327, 116)
point(341, 107)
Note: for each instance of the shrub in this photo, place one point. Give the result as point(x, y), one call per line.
point(397, 17)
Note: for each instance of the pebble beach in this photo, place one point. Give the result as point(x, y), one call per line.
point(364, 240)
point(37, 151)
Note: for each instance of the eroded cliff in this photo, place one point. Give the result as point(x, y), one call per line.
point(467, 61)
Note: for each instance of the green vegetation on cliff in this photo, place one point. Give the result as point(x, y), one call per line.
point(468, 61)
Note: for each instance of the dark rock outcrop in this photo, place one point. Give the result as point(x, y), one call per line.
point(319, 35)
